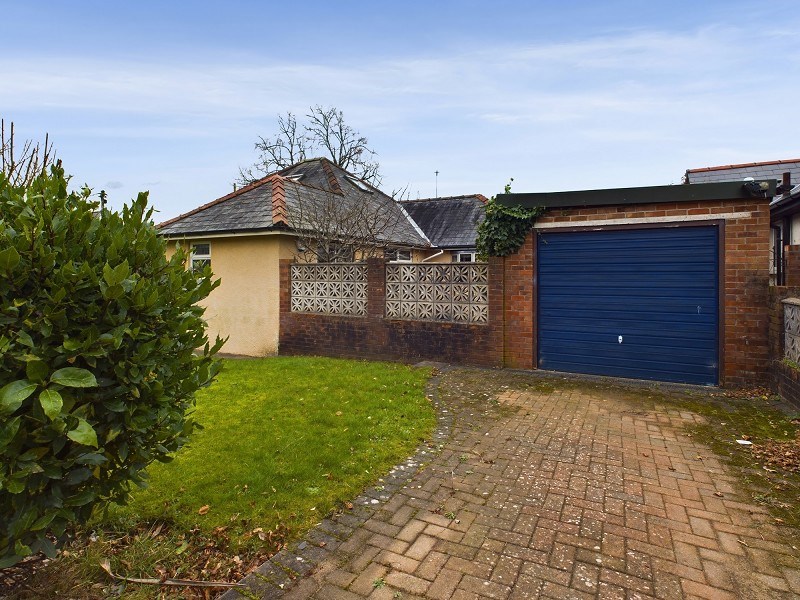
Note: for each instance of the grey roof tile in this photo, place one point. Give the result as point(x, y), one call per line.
point(450, 222)
point(250, 209)
point(767, 170)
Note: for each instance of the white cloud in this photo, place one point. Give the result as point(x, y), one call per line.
point(691, 95)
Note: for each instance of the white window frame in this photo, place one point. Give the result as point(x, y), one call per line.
point(471, 257)
point(393, 254)
point(359, 183)
point(203, 258)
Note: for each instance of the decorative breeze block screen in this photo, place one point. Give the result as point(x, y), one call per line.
point(791, 326)
point(331, 289)
point(446, 292)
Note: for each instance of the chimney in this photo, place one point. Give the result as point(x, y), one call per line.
point(786, 182)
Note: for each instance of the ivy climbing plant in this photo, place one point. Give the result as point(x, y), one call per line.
point(504, 229)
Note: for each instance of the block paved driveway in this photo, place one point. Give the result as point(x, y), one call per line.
point(537, 488)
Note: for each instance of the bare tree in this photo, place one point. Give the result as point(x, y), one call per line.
point(289, 146)
point(332, 228)
point(325, 132)
point(22, 166)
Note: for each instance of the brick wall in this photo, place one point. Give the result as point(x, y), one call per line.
point(519, 310)
point(375, 336)
point(509, 339)
point(792, 265)
point(784, 380)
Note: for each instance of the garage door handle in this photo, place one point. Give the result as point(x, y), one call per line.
point(620, 339)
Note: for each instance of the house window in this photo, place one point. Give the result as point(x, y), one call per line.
point(201, 256)
point(397, 255)
point(330, 252)
point(464, 257)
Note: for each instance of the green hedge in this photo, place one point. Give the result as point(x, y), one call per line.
point(99, 360)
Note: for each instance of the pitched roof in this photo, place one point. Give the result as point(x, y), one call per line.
point(773, 169)
point(285, 199)
point(449, 222)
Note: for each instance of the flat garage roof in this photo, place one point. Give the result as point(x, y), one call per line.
point(692, 192)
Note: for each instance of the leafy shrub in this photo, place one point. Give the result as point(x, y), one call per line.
point(504, 228)
point(98, 361)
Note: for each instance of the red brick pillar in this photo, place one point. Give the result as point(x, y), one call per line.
point(376, 288)
point(377, 336)
point(792, 265)
point(519, 293)
point(285, 283)
point(496, 310)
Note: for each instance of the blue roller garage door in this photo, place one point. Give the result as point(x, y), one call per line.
point(640, 303)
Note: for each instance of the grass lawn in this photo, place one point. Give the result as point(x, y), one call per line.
point(286, 440)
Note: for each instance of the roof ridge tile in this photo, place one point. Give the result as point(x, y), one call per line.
point(480, 197)
point(280, 213)
point(333, 181)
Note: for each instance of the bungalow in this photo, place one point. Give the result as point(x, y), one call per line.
point(313, 211)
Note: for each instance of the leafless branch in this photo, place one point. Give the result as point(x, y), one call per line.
point(106, 566)
point(340, 229)
point(289, 146)
point(326, 133)
point(402, 193)
point(346, 147)
point(22, 167)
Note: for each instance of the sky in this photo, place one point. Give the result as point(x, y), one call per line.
point(170, 97)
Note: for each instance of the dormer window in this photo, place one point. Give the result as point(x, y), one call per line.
point(360, 184)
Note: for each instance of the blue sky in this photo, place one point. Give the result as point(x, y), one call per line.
point(170, 96)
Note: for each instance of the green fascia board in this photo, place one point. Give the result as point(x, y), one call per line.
point(691, 192)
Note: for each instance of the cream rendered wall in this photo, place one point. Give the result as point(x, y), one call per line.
point(246, 305)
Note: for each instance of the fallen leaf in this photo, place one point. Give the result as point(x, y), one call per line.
point(204, 509)
point(718, 494)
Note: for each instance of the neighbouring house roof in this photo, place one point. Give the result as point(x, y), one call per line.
point(786, 201)
point(786, 204)
point(773, 169)
point(449, 222)
point(283, 201)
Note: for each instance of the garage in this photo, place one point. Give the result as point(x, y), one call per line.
point(630, 302)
